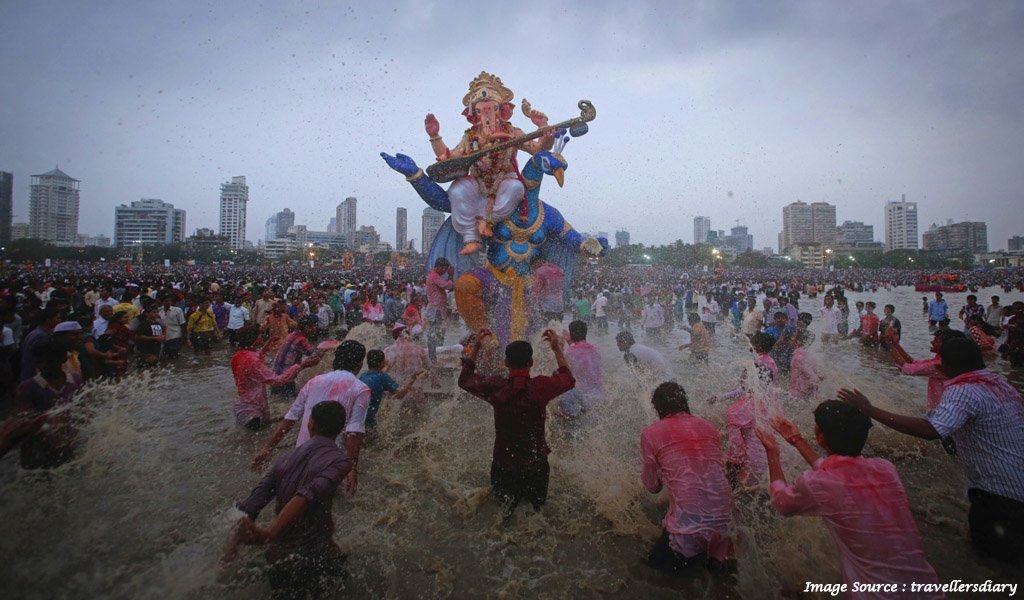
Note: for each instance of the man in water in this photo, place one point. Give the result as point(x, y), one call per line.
point(301, 549)
point(294, 348)
point(982, 413)
point(643, 359)
point(519, 464)
point(584, 360)
point(436, 313)
point(938, 311)
point(341, 386)
point(872, 526)
point(683, 452)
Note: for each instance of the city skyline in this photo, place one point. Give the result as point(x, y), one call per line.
point(750, 107)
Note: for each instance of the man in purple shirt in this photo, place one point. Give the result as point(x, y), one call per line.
point(50, 388)
point(294, 349)
point(301, 549)
point(49, 317)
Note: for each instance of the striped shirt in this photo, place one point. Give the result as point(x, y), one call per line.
point(984, 415)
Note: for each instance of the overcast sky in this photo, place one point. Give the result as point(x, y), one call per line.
point(726, 109)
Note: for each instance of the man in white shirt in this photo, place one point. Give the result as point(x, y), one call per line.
point(174, 320)
point(830, 318)
point(105, 299)
point(709, 312)
point(600, 309)
point(652, 319)
point(238, 316)
point(99, 324)
point(340, 385)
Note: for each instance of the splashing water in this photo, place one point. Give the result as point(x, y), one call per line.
point(144, 510)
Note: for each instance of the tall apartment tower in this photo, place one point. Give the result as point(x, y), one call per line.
point(701, 227)
point(234, 196)
point(401, 229)
point(432, 221)
point(901, 225)
point(804, 223)
point(6, 206)
point(148, 221)
point(53, 207)
point(346, 219)
point(283, 220)
point(621, 238)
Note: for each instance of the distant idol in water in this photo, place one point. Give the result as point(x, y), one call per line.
point(496, 208)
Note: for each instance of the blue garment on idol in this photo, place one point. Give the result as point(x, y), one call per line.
point(378, 382)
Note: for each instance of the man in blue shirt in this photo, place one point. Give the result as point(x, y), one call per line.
point(937, 310)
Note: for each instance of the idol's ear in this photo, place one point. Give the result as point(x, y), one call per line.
point(505, 110)
point(473, 119)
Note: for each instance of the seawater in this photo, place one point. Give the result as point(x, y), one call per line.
point(145, 509)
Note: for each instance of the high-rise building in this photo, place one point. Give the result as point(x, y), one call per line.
point(401, 229)
point(1015, 244)
point(621, 238)
point(901, 225)
point(851, 233)
point(957, 237)
point(6, 205)
point(271, 228)
point(53, 207)
point(701, 227)
point(284, 220)
point(803, 223)
point(148, 221)
point(346, 218)
point(332, 225)
point(234, 196)
point(20, 231)
point(432, 221)
point(739, 239)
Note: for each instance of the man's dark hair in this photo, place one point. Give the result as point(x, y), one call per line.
point(47, 314)
point(670, 398)
point(625, 338)
point(844, 427)
point(693, 318)
point(805, 318)
point(762, 342)
point(442, 262)
point(960, 355)
point(329, 418)
point(948, 334)
point(891, 307)
point(374, 359)
point(349, 356)
point(246, 336)
point(50, 352)
point(996, 298)
point(972, 297)
point(519, 355)
point(577, 331)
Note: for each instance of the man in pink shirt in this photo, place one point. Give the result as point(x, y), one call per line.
point(803, 378)
point(682, 452)
point(252, 376)
point(861, 500)
point(928, 367)
point(439, 282)
point(584, 361)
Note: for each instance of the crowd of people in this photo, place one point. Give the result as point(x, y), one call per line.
point(66, 325)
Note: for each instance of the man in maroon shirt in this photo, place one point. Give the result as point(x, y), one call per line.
point(519, 467)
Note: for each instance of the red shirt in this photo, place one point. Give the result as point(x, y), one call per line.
point(520, 411)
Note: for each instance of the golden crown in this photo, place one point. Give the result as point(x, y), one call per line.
point(487, 87)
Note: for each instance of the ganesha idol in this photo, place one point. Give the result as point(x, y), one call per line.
point(496, 208)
